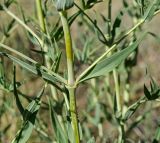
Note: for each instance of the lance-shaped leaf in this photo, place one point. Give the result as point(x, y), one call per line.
point(36, 69)
point(154, 91)
point(109, 63)
point(7, 3)
point(62, 5)
point(149, 13)
point(132, 109)
point(29, 118)
point(18, 102)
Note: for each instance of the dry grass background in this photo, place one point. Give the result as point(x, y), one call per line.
point(148, 58)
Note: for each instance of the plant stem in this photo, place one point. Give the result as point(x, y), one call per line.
point(108, 51)
point(40, 15)
point(78, 80)
point(71, 81)
point(45, 48)
point(69, 51)
point(110, 19)
point(23, 24)
point(119, 107)
point(118, 102)
point(115, 76)
point(43, 28)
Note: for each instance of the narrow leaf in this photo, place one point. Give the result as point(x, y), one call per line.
point(147, 93)
point(157, 135)
point(59, 132)
point(151, 10)
point(109, 63)
point(18, 102)
point(131, 110)
point(34, 68)
point(29, 120)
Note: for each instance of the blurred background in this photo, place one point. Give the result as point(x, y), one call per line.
point(148, 58)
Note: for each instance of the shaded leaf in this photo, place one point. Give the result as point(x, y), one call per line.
point(157, 37)
point(92, 140)
point(18, 102)
point(90, 3)
point(131, 110)
point(154, 92)
point(116, 25)
point(9, 27)
point(137, 121)
point(59, 132)
point(147, 93)
point(70, 132)
point(7, 3)
point(157, 135)
point(58, 59)
point(29, 118)
point(149, 13)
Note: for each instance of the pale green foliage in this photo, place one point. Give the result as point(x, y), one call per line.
point(103, 58)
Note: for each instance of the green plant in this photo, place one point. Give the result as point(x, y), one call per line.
point(106, 54)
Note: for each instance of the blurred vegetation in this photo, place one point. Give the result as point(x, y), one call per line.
point(95, 27)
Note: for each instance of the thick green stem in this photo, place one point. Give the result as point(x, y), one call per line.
point(73, 111)
point(71, 81)
point(69, 51)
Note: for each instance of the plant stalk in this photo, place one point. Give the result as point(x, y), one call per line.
point(117, 90)
point(71, 81)
point(42, 25)
point(40, 15)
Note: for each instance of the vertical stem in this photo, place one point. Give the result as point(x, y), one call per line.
point(110, 18)
point(121, 138)
point(40, 15)
point(118, 102)
point(115, 76)
point(69, 51)
point(42, 25)
point(71, 81)
point(43, 28)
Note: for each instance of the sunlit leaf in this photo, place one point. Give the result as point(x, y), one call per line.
point(109, 63)
point(34, 68)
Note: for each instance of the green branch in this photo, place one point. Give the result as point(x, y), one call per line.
point(71, 81)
